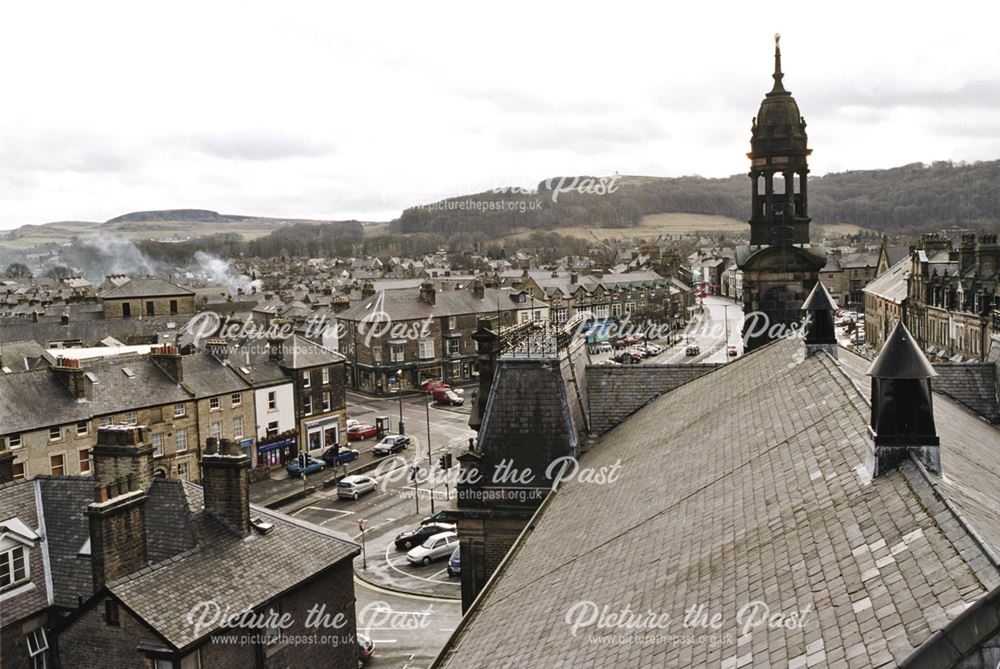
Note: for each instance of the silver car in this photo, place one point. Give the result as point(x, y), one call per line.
point(352, 487)
point(436, 547)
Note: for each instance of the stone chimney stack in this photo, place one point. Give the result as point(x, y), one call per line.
point(819, 333)
point(70, 374)
point(123, 469)
point(276, 349)
point(368, 289)
point(573, 277)
point(340, 303)
point(902, 418)
point(488, 345)
point(6, 462)
point(478, 288)
point(427, 293)
point(218, 347)
point(225, 475)
point(987, 255)
point(168, 358)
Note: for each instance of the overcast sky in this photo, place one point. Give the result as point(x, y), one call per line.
point(357, 110)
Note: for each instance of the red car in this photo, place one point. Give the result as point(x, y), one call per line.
point(433, 385)
point(362, 431)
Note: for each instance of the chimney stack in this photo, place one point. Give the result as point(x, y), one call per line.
point(64, 318)
point(428, 293)
point(488, 346)
point(573, 278)
point(818, 326)
point(368, 289)
point(987, 255)
point(902, 418)
point(70, 374)
point(219, 348)
point(276, 349)
point(478, 288)
point(123, 470)
point(225, 471)
point(168, 358)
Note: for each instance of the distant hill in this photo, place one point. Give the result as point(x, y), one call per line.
point(906, 199)
point(200, 215)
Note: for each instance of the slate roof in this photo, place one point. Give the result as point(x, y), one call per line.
point(205, 376)
point(891, 284)
point(145, 288)
point(67, 529)
point(92, 330)
point(750, 483)
point(301, 353)
point(18, 356)
point(405, 304)
point(19, 502)
point(237, 572)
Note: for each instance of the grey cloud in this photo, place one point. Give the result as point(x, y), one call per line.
point(259, 146)
point(65, 150)
point(583, 137)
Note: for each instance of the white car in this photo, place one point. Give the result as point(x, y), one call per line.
point(351, 422)
point(436, 547)
point(352, 487)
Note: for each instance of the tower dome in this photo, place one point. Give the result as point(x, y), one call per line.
point(778, 128)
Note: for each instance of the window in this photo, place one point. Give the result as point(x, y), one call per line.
point(105, 421)
point(38, 648)
point(326, 375)
point(307, 405)
point(150, 309)
point(236, 399)
point(238, 427)
point(55, 434)
point(82, 428)
point(181, 440)
point(182, 471)
point(426, 349)
point(157, 445)
point(179, 410)
point(377, 354)
point(130, 418)
point(326, 402)
point(216, 430)
point(18, 471)
point(452, 322)
point(306, 379)
point(14, 440)
point(191, 661)
point(272, 633)
point(173, 307)
point(453, 345)
point(616, 309)
point(111, 612)
point(13, 567)
point(272, 401)
point(272, 428)
point(56, 465)
point(397, 353)
point(214, 404)
point(126, 310)
point(84, 460)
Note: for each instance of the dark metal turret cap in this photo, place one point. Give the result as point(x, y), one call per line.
point(819, 299)
point(901, 358)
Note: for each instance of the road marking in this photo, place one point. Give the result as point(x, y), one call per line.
point(395, 568)
point(394, 593)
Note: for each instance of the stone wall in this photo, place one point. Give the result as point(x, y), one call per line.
point(614, 393)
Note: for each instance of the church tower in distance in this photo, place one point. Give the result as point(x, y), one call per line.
point(780, 267)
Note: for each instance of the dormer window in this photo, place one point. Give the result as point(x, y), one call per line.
point(13, 567)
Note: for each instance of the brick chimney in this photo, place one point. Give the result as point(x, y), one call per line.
point(428, 293)
point(123, 470)
point(6, 462)
point(225, 471)
point(902, 418)
point(819, 333)
point(70, 374)
point(168, 358)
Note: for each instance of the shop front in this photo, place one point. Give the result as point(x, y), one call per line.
point(321, 434)
point(276, 452)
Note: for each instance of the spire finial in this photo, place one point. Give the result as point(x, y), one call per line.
point(778, 88)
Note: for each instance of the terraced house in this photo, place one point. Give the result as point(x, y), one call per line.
point(144, 298)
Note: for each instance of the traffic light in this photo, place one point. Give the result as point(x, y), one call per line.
point(445, 461)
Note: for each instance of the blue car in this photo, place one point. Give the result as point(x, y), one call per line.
point(345, 455)
point(312, 467)
point(455, 562)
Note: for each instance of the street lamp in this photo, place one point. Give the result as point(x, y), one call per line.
point(399, 388)
point(430, 460)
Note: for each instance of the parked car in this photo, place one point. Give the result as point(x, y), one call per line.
point(449, 517)
point(732, 351)
point(431, 385)
point(351, 422)
point(313, 466)
point(334, 456)
point(390, 444)
point(420, 534)
point(692, 351)
point(361, 431)
point(447, 396)
point(455, 562)
point(436, 547)
point(352, 487)
point(654, 349)
point(366, 648)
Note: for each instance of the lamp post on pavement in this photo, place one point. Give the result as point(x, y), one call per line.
point(399, 388)
point(430, 460)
